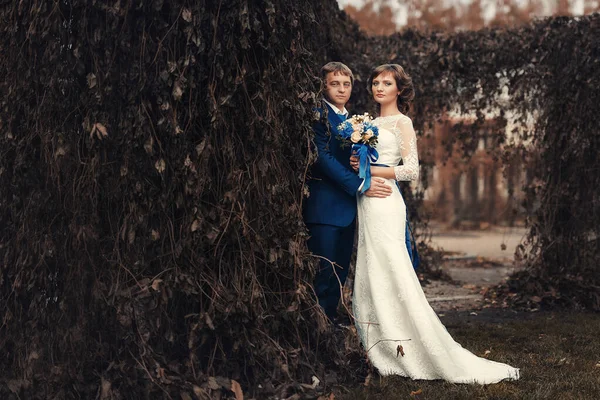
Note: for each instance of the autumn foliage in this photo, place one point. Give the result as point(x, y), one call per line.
point(380, 17)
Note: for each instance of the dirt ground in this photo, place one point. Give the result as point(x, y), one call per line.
point(475, 259)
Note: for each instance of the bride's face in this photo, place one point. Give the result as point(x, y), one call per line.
point(384, 88)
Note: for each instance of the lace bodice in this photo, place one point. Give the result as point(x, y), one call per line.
point(398, 142)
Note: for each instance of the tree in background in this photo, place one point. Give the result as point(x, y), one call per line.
point(378, 17)
point(374, 18)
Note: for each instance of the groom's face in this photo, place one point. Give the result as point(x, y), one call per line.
point(338, 88)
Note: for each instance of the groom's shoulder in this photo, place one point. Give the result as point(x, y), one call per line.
point(321, 116)
point(319, 111)
point(324, 109)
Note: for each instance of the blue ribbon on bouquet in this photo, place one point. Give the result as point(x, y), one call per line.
point(366, 155)
point(409, 237)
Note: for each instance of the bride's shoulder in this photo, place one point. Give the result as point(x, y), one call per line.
point(404, 119)
point(393, 120)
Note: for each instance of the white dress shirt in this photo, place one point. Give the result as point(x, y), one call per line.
point(337, 110)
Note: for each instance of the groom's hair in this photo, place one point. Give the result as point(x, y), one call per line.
point(336, 66)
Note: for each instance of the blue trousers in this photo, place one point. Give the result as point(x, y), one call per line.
point(334, 244)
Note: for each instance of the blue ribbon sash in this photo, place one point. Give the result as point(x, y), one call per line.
point(366, 155)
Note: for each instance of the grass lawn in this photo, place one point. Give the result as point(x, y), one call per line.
point(558, 354)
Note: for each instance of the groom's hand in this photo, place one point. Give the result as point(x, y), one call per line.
point(378, 188)
point(354, 163)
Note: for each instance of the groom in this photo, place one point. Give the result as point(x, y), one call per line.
point(330, 210)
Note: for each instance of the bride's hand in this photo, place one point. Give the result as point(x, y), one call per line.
point(354, 162)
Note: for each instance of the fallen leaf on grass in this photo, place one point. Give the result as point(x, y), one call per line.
point(416, 392)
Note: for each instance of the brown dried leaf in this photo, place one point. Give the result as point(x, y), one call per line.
point(209, 321)
point(200, 147)
point(367, 380)
point(212, 383)
point(416, 392)
point(331, 396)
point(105, 389)
point(200, 393)
point(185, 396)
point(34, 355)
point(15, 385)
point(237, 390)
point(149, 145)
point(399, 351)
point(156, 284)
point(160, 165)
point(177, 91)
point(60, 152)
point(100, 130)
point(91, 80)
point(186, 14)
point(131, 236)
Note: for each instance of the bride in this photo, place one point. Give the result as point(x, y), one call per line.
point(388, 302)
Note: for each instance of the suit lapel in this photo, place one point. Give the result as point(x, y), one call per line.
point(334, 118)
point(342, 153)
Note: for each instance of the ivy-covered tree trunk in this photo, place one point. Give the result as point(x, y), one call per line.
point(152, 163)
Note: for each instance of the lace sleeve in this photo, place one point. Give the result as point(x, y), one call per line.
point(407, 140)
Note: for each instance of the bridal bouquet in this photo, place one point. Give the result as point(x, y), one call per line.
point(360, 131)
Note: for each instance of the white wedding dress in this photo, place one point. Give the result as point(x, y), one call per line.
point(388, 302)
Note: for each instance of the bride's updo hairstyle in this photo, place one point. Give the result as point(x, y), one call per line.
point(403, 82)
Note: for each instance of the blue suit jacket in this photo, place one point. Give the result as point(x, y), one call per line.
point(333, 184)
